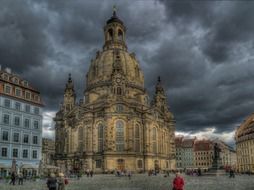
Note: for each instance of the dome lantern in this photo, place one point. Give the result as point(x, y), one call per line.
point(114, 33)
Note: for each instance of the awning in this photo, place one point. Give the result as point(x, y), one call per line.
point(51, 167)
point(3, 166)
point(28, 166)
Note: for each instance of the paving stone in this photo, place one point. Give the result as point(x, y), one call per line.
point(143, 182)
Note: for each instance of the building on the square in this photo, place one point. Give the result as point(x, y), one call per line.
point(227, 154)
point(115, 126)
point(184, 152)
point(244, 137)
point(203, 153)
point(48, 151)
point(178, 146)
point(188, 153)
point(20, 125)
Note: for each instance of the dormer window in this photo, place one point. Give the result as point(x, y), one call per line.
point(36, 98)
point(15, 80)
point(18, 92)
point(6, 77)
point(25, 83)
point(7, 89)
point(28, 95)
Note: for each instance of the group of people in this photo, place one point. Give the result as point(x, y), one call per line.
point(57, 183)
point(89, 173)
point(152, 172)
point(15, 177)
point(120, 173)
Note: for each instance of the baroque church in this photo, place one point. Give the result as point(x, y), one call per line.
point(115, 126)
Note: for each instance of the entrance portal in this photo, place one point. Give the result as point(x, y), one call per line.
point(120, 164)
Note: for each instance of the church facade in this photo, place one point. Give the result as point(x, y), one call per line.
point(115, 126)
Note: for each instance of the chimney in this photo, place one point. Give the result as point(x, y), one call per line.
point(8, 70)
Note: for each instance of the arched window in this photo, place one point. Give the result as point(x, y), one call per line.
point(118, 91)
point(119, 136)
point(154, 140)
point(120, 35)
point(137, 138)
point(110, 34)
point(80, 138)
point(100, 137)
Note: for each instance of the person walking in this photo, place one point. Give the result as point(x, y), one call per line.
point(52, 182)
point(91, 173)
point(13, 178)
point(20, 177)
point(61, 181)
point(231, 173)
point(129, 174)
point(87, 173)
point(178, 182)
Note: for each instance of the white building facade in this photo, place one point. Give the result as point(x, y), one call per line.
point(20, 126)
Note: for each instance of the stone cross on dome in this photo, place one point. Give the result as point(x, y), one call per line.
point(114, 10)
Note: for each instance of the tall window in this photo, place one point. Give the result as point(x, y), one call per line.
point(120, 35)
point(119, 136)
point(137, 138)
point(27, 108)
point(35, 155)
point(36, 124)
point(16, 121)
point(25, 153)
point(140, 163)
point(26, 138)
point(6, 119)
point(17, 106)
point(35, 139)
point(36, 110)
point(98, 163)
point(4, 152)
point(7, 103)
point(26, 123)
point(100, 137)
point(154, 140)
point(118, 91)
point(15, 153)
point(5, 136)
point(110, 34)
point(15, 137)
point(80, 139)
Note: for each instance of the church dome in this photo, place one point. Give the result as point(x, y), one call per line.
point(114, 50)
point(246, 130)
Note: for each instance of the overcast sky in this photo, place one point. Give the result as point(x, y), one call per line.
point(203, 51)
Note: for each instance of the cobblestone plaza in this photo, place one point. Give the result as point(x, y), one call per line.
point(143, 182)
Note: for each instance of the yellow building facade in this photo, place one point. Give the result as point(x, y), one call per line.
point(244, 137)
point(115, 126)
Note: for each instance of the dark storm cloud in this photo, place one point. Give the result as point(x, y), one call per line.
point(203, 51)
point(228, 22)
point(23, 43)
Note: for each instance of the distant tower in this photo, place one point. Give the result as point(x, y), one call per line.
point(160, 99)
point(69, 95)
